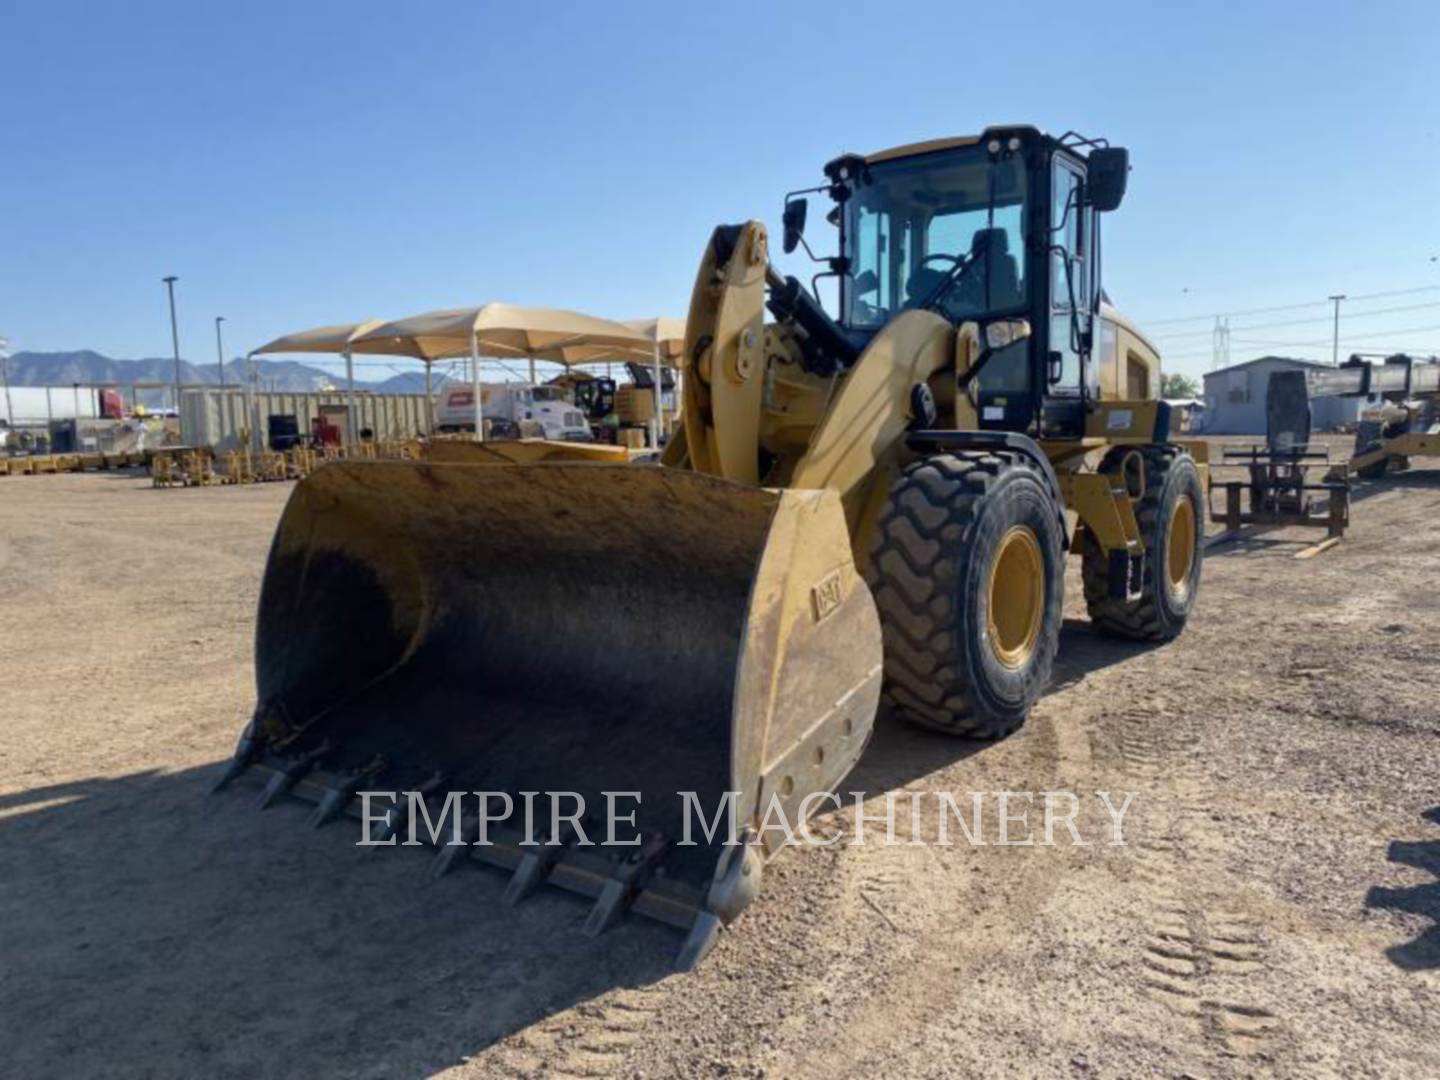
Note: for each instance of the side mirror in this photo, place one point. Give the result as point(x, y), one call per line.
point(1105, 180)
point(794, 223)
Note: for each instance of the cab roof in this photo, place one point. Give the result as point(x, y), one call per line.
point(930, 146)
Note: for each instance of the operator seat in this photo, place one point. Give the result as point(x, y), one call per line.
point(990, 260)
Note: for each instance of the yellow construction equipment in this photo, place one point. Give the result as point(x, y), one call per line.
point(1400, 420)
point(854, 505)
point(1404, 420)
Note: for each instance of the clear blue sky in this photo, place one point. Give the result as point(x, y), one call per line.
point(307, 162)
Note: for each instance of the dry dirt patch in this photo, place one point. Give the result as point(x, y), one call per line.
point(1275, 912)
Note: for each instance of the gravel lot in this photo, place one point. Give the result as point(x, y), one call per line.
point(1274, 911)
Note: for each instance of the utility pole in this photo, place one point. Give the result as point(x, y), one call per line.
point(220, 351)
point(175, 344)
point(1335, 341)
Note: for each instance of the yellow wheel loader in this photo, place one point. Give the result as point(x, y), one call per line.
point(872, 504)
point(1404, 421)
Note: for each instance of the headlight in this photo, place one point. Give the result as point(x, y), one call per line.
point(1006, 332)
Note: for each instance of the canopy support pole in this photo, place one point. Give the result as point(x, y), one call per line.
point(658, 425)
point(532, 371)
point(475, 386)
point(429, 403)
point(349, 400)
point(252, 406)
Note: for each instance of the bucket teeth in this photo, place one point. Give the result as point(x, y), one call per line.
point(609, 906)
point(337, 798)
point(282, 781)
point(245, 751)
point(451, 855)
point(626, 880)
point(536, 865)
point(701, 939)
point(330, 807)
point(398, 819)
point(238, 765)
point(279, 784)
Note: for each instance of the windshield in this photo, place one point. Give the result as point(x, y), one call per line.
point(929, 217)
point(548, 393)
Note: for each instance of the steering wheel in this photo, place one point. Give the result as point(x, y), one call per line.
point(953, 260)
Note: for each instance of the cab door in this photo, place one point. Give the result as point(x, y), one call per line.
point(1066, 356)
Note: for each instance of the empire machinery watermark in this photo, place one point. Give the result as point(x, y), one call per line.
point(822, 819)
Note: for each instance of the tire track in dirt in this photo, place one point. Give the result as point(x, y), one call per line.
point(593, 1039)
point(1196, 955)
point(925, 900)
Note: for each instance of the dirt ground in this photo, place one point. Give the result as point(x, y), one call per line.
point(1275, 909)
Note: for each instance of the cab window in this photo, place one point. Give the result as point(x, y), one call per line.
point(1067, 274)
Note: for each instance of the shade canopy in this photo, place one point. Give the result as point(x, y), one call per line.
point(319, 339)
point(503, 330)
point(667, 334)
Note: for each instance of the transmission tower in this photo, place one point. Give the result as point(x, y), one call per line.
point(1220, 343)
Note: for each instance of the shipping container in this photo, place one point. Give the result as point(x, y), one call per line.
point(220, 419)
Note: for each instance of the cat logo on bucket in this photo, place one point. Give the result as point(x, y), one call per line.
point(826, 596)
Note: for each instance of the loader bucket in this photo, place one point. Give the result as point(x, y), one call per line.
point(520, 451)
point(570, 627)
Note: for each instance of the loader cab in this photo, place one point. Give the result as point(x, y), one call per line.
point(999, 230)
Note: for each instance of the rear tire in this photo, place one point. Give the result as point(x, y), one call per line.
point(1174, 538)
point(967, 567)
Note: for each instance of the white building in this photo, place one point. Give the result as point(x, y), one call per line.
point(1235, 398)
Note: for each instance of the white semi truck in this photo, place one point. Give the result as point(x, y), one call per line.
point(510, 408)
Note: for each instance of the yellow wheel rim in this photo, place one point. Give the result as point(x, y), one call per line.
point(1180, 551)
point(1016, 593)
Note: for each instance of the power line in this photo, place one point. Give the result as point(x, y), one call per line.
point(1289, 277)
point(1303, 322)
point(1351, 344)
point(1288, 307)
point(1350, 341)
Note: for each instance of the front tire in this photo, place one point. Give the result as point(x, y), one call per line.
point(1171, 515)
point(967, 568)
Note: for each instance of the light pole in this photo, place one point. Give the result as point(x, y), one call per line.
point(1335, 341)
point(175, 345)
point(5, 378)
point(220, 352)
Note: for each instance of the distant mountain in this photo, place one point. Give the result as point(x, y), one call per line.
point(290, 376)
point(411, 382)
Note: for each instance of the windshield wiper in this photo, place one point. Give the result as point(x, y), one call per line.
point(949, 281)
point(944, 286)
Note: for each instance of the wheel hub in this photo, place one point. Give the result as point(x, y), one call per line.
point(1180, 551)
point(1016, 593)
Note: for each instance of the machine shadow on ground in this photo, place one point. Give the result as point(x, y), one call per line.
point(1413, 479)
point(900, 752)
point(1423, 952)
point(1085, 650)
point(1279, 540)
point(148, 928)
